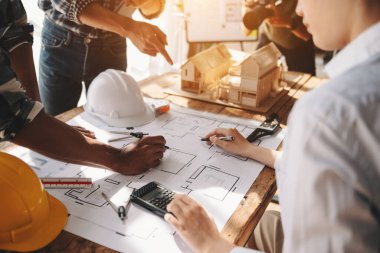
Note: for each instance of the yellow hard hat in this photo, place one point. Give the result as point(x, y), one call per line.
point(30, 218)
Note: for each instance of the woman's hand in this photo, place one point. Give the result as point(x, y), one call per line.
point(238, 146)
point(193, 224)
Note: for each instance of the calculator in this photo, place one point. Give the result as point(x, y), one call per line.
point(153, 197)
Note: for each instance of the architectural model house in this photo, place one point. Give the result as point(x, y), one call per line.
point(248, 82)
point(205, 69)
point(254, 79)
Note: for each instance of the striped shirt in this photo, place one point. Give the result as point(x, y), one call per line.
point(65, 13)
point(16, 109)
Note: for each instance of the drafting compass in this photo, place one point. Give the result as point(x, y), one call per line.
point(269, 127)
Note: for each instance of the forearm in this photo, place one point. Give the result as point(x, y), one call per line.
point(58, 140)
point(109, 21)
point(265, 156)
point(22, 63)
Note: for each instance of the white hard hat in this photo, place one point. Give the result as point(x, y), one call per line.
point(116, 98)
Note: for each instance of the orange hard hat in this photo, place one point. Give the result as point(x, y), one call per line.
point(30, 218)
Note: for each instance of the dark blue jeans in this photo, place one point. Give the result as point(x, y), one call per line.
point(67, 60)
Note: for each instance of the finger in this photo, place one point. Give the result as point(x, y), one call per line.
point(167, 57)
point(173, 221)
point(159, 155)
point(85, 132)
point(186, 200)
point(160, 46)
point(153, 140)
point(218, 132)
point(176, 209)
point(90, 135)
point(215, 140)
point(156, 163)
point(170, 218)
point(81, 129)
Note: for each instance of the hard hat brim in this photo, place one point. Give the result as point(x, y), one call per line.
point(46, 233)
point(131, 121)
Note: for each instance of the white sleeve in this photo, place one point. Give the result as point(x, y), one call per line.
point(244, 250)
point(325, 207)
point(278, 161)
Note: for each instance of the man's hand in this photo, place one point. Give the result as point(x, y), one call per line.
point(140, 156)
point(85, 132)
point(149, 39)
point(193, 224)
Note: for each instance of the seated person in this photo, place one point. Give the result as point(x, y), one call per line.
point(329, 172)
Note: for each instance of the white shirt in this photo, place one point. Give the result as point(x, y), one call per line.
point(329, 173)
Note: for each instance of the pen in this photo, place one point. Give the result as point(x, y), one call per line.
point(223, 138)
point(121, 212)
point(119, 132)
point(119, 138)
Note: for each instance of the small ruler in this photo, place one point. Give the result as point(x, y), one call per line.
point(66, 182)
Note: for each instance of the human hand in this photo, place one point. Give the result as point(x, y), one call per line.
point(193, 224)
point(140, 156)
point(238, 146)
point(85, 132)
point(280, 21)
point(149, 39)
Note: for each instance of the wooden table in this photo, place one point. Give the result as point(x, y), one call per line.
point(251, 208)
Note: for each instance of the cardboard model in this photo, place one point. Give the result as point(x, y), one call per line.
point(248, 82)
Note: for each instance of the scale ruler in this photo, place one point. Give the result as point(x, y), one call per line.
point(66, 182)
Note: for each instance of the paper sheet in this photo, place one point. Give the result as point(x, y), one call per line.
point(213, 177)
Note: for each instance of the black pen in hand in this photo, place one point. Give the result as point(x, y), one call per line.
point(222, 138)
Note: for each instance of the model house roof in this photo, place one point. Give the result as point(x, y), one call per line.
point(210, 58)
point(265, 57)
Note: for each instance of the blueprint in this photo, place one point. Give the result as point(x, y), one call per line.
point(218, 180)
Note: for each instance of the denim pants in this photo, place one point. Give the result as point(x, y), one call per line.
point(67, 60)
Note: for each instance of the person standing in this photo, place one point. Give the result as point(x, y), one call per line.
point(16, 39)
point(329, 172)
point(284, 28)
point(24, 122)
point(81, 39)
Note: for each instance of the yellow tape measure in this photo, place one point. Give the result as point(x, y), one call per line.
point(66, 182)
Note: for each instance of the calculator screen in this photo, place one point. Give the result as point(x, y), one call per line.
point(152, 194)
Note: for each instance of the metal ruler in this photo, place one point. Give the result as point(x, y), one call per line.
point(66, 182)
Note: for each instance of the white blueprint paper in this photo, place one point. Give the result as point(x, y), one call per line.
point(215, 178)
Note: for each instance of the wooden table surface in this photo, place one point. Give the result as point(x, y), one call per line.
point(251, 208)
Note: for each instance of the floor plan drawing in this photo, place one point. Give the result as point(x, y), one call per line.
point(217, 179)
point(176, 161)
point(218, 182)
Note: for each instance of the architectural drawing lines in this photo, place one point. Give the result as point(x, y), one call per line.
point(175, 161)
point(212, 182)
